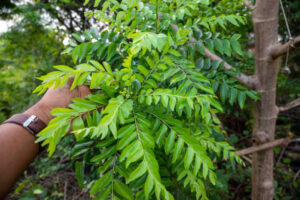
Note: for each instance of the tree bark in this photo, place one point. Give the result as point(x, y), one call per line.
point(265, 21)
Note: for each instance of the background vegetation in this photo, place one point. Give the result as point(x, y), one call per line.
point(33, 45)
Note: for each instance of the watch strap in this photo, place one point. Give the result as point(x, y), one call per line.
point(30, 122)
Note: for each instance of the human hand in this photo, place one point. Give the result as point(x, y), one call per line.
point(58, 98)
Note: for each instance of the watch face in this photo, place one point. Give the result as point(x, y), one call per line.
point(29, 120)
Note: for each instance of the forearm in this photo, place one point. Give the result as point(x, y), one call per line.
point(17, 147)
point(17, 150)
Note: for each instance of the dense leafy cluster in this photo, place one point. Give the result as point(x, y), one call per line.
point(149, 122)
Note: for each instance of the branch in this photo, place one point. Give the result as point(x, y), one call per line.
point(249, 81)
point(290, 105)
point(281, 49)
point(249, 4)
point(269, 145)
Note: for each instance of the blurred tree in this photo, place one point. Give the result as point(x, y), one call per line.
point(6, 8)
point(63, 13)
point(27, 50)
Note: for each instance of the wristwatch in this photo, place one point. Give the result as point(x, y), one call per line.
point(30, 122)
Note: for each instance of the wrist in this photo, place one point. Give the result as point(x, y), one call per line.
point(42, 112)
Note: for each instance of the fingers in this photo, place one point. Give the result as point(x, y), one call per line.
point(84, 91)
point(70, 82)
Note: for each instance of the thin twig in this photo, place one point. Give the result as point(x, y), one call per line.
point(280, 157)
point(296, 176)
point(65, 190)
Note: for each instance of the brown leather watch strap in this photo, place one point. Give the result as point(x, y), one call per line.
point(30, 122)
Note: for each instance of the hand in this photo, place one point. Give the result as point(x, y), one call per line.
point(58, 98)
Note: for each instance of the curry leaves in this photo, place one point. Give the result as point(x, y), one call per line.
point(154, 99)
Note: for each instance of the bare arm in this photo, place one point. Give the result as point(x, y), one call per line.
point(17, 147)
point(17, 150)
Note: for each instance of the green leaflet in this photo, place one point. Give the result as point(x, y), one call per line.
point(223, 92)
point(107, 68)
point(101, 183)
point(147, 139)
point(107, 153)
point(126, 130)
point(170, 141)
point(177, 150)
point(236, 45)
point(139, 171)
point(143, 70)
point(63, 68)
point(189, 156)
point(241, 99)
point(232, 20)
point(79, 171)
point(219, 45)
point(177, 78)
point(134, 146)
point(117, 108)
point(78, 124)
point(160, 134)
point(77, 37)
point(97, 65)
point(227, 48)
point(205, 88)
point(97, 2)
point(134, 156)
point(123, 190)
point(111, 51)
point(232, 95)
point(126, 140)
point(96, 80)
point(63, 112)
point(148, 186)
point(105, 166)
point(86, 67)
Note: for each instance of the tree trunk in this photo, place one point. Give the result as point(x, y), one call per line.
point(265, 21)
point(267, 63)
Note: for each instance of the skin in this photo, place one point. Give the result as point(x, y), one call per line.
point(17, 147)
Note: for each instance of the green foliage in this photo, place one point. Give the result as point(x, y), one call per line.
point(20, 62)
point(37, 192)
point(151, 117)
